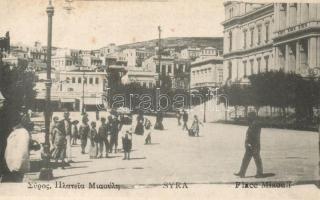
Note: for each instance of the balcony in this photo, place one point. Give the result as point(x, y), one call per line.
point(297, 28)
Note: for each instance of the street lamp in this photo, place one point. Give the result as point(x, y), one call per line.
point(46, 171)
point(83, 105)
point(204, 105)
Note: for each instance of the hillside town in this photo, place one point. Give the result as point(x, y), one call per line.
point(261, 77)
point(75, 70)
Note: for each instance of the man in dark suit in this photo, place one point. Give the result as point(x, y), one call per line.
point(103, 135)
point(185, 117)
point(67, 132)
point(252, 145)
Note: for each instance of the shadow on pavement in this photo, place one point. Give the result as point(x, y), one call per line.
point(264, 175)
point(113, 157)
point(138, 158)
point(137, 168)
point(152, 144)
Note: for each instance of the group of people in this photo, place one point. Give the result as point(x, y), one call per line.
point(102, 140)
point(195, 127)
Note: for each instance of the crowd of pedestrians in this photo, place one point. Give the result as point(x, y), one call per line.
point(99, 140)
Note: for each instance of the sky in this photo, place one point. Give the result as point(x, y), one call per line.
point(95, 23)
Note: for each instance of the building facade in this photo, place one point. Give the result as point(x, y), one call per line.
point(206, 73)
point(74, 89)
point(297, 37)
point(248, 45)
point(272, 36)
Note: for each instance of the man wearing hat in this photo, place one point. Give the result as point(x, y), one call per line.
point(67, 132)
point(252, 145)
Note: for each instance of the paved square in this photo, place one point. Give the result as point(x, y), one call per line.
point(211, 158)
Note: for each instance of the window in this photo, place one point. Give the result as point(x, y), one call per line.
point(245, 69)
point(259, 34)
point(231, 13)
point(259, 65)
point(73, 80)
point(79, 80)
point(169, 69)
point(251, 37)
point(158, 68)
point(267, 62)
point(245, 39)
point(150, 84)
point(97, 80)
point(90, 81)
point(163, 70)
point(267, 32)
point(251, 66)
point(220, 76)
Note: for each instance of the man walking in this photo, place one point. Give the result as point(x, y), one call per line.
point(67, 132)
point(252, 145)
point(84, 132)
point(115, 128)
point(103, 135)
point(185, 117)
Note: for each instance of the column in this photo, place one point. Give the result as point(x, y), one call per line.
point(275, 16)
point(293, 14)
point(312, 11)
point(318, 11)
point(312, 59)
point(282, 17)
point(287, 58)
point(304, 12)
point(288, 15)
point(275, 59)
point(318, 51)
point(298, 13)
point(297, 69)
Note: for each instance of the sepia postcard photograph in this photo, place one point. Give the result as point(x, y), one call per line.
point(159, 99)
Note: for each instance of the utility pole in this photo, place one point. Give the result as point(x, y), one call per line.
point(83, 78)
point(46, 171)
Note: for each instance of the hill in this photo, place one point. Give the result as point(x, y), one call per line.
point(179, 43)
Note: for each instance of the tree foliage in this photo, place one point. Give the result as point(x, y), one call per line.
point(278, 89)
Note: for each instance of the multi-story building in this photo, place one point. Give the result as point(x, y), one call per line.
point(73, 89)
point(272, 36)
point(248, 34)
point(181, 74)
point(166, 67)
point(66, 59)
point(206, 73)
point(109, 49)
point(144, 77)
point(296, 38)
point(135, 57)
point(190, 53)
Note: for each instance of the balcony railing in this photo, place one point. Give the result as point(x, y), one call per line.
point(298, 27)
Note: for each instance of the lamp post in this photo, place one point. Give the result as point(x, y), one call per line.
point(46, 171)
point(204, 105)
point(83, 105)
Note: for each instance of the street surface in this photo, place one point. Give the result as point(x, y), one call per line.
point(213, 157)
